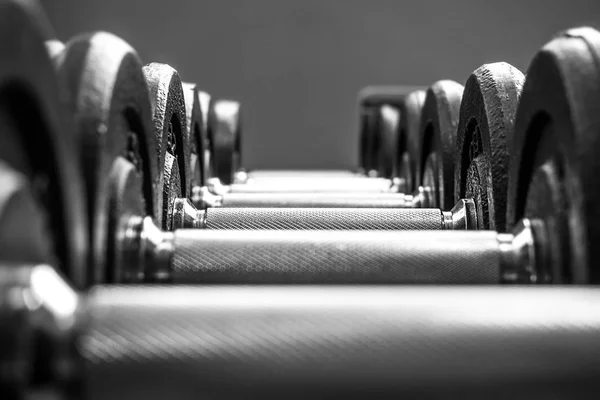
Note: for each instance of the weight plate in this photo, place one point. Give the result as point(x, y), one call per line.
point(406, 160)
point(198, 135)
point(437, 145)
point(110, 104)
point(225, 127)
point(370, 99)
point(486, 123)
point(169, 117)
point(389, 118)
point(555, 164)
point(37, 138)
point(209, 162)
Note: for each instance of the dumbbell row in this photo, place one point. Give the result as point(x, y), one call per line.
point(129, 191)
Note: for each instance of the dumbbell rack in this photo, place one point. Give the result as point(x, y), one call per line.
point(138, 259)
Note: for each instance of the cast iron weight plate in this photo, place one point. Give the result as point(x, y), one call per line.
point(225, 128)
point(486, 124)
point(111, 108)
point(172, 138)
point(406, 159)
point(389, 120)
point(37, 138)
point(555, 165)
point(439, 121)
point(199, 144)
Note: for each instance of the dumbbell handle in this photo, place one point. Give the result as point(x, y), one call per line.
point(140, 342)
point(202, 197)
point(381, 257)
point(462, 216)
point(374, 185)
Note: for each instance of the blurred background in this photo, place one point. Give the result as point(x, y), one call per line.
point(297, 65)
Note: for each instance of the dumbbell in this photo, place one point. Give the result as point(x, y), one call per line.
point(483, 175)
point(378, 122)
point(442, 108)
point(531, 254)
point(264, 342)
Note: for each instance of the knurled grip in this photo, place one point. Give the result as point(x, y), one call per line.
point(225, 342)
point(323, 218)
point(373, 185)
point(318, 200)
point(427, 257)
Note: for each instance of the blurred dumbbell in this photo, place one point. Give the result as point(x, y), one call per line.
point(229, 342)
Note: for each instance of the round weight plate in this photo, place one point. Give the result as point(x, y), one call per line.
point(437, 144)
point(198, 135)
point(37, 138)
point(486, 123)
point(110, 104)
point(389, 118)
point(225, 128)
point(407, 154)
point(208, 159)
point(555, 164)
point(168, 107)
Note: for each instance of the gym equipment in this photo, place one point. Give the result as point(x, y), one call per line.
point(305, 342)
point(462, 216)
point(439, 121)
point(110, 105)
point(224, 120)
point(199, 144)
point(370, 101)
point(407, 145)
point(172, 137)
point(524, 256)
point(37, 141)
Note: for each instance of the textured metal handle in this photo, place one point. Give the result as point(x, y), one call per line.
point(222, 342)
point(318, 200)
point(323, 218)
point(429, 257)
point(375, 185)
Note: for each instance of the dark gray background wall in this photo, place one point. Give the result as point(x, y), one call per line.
point(298, 64)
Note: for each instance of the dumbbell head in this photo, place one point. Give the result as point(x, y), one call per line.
point(554, 156)
point(407, 154)
point(371, 151)
point(110, 105)
point(389, 120)
point(224, 120)
point(199, 145)
point(486, 125)
point(172, 140)
point(439, 120)
point(37, 142)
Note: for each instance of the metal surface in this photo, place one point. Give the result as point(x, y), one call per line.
point(389, 117)
point(199, 143)
point(225, 126)
point(554, 153)
point(323, 218)
point(370, 99)
point(406, 161)
point(486, 125)
point(108, 99)
point(439, 120)
point(204, 198)
point(169, 119)
point(276, 185)
point(142, 342)
point(428, 257)
point(335, 342)
point(37, 137)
